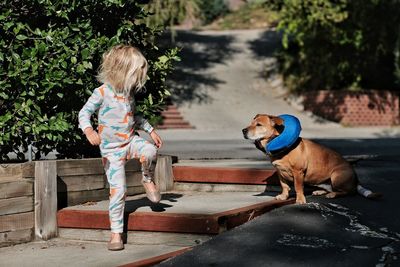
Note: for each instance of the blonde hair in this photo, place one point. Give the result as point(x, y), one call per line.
point(124, 68)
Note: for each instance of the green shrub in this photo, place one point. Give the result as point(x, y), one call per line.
point(213, 9)
point(340, 44)
point(172, 12)
point(50, 51)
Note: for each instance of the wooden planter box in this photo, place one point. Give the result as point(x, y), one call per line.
point(31, 193)
point(16, 203)
point(365, 108)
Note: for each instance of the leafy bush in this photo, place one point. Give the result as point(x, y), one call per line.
point(172, 12)
point(339, 44)
point(49, 54)
point(213, 9)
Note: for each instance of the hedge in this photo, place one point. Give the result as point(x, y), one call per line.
point(340, 44)
point(49, 55)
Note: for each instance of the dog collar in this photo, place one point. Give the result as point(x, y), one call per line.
point(287, 138)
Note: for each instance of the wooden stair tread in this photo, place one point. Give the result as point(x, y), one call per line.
point(196, 213)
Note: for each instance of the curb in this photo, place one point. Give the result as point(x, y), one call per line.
point(157, 259)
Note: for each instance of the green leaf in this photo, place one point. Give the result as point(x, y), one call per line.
point(163, 59)
point(4, 95)
point(21, 37)
point(85, 53)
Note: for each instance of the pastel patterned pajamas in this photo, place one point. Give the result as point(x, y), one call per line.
point(119, 143)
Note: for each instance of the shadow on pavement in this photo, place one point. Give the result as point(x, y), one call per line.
point(266, 45)
point(190, 81)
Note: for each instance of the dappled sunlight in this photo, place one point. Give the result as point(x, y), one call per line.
point(192, 79)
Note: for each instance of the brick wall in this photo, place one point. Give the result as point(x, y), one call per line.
point(366, 108)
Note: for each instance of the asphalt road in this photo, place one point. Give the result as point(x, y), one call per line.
point(349, 231)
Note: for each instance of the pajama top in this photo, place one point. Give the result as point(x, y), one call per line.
point(116, 119)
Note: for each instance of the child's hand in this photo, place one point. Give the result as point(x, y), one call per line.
point(92, 136)
point(156, 138)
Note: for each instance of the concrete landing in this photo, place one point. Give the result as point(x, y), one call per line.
point(203, 203)
point(61, 252)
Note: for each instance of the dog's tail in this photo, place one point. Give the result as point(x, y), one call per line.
point(368, 193)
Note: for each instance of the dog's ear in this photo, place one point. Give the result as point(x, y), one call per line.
point(276, 121)
point(258, 115)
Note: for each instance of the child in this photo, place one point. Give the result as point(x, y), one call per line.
point(123, 73)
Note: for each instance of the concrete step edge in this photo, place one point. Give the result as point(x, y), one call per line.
point(136, 237)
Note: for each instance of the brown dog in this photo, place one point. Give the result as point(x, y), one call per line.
point(305, 162)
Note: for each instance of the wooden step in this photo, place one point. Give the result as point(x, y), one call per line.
point(170, 112)
point(172, 117)
point(221, 175)
point(178, 212)
point(175, 122)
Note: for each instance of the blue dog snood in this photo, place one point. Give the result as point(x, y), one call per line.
point(288, 137)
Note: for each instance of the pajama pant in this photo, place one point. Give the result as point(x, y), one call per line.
point(114, 166)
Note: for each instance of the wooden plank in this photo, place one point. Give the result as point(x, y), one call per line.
point(28, 170)
point(79, 167)
point(46, 199)
point(81, 182)
point(16, 237)
point(18, 221)
point(173, 222)
point(90, 167)
point(18, 188)
point(163, 174)
point(135, 190)
point(224, 175)
point(16, 205)
point(141, 221)
point(10, 170)
point(81, 197)
point(133, 178)
point(133, 165)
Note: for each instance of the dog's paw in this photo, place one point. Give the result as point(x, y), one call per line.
point(300, 200)
point(330, 195)
point(319, 192)
point(281, 197)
